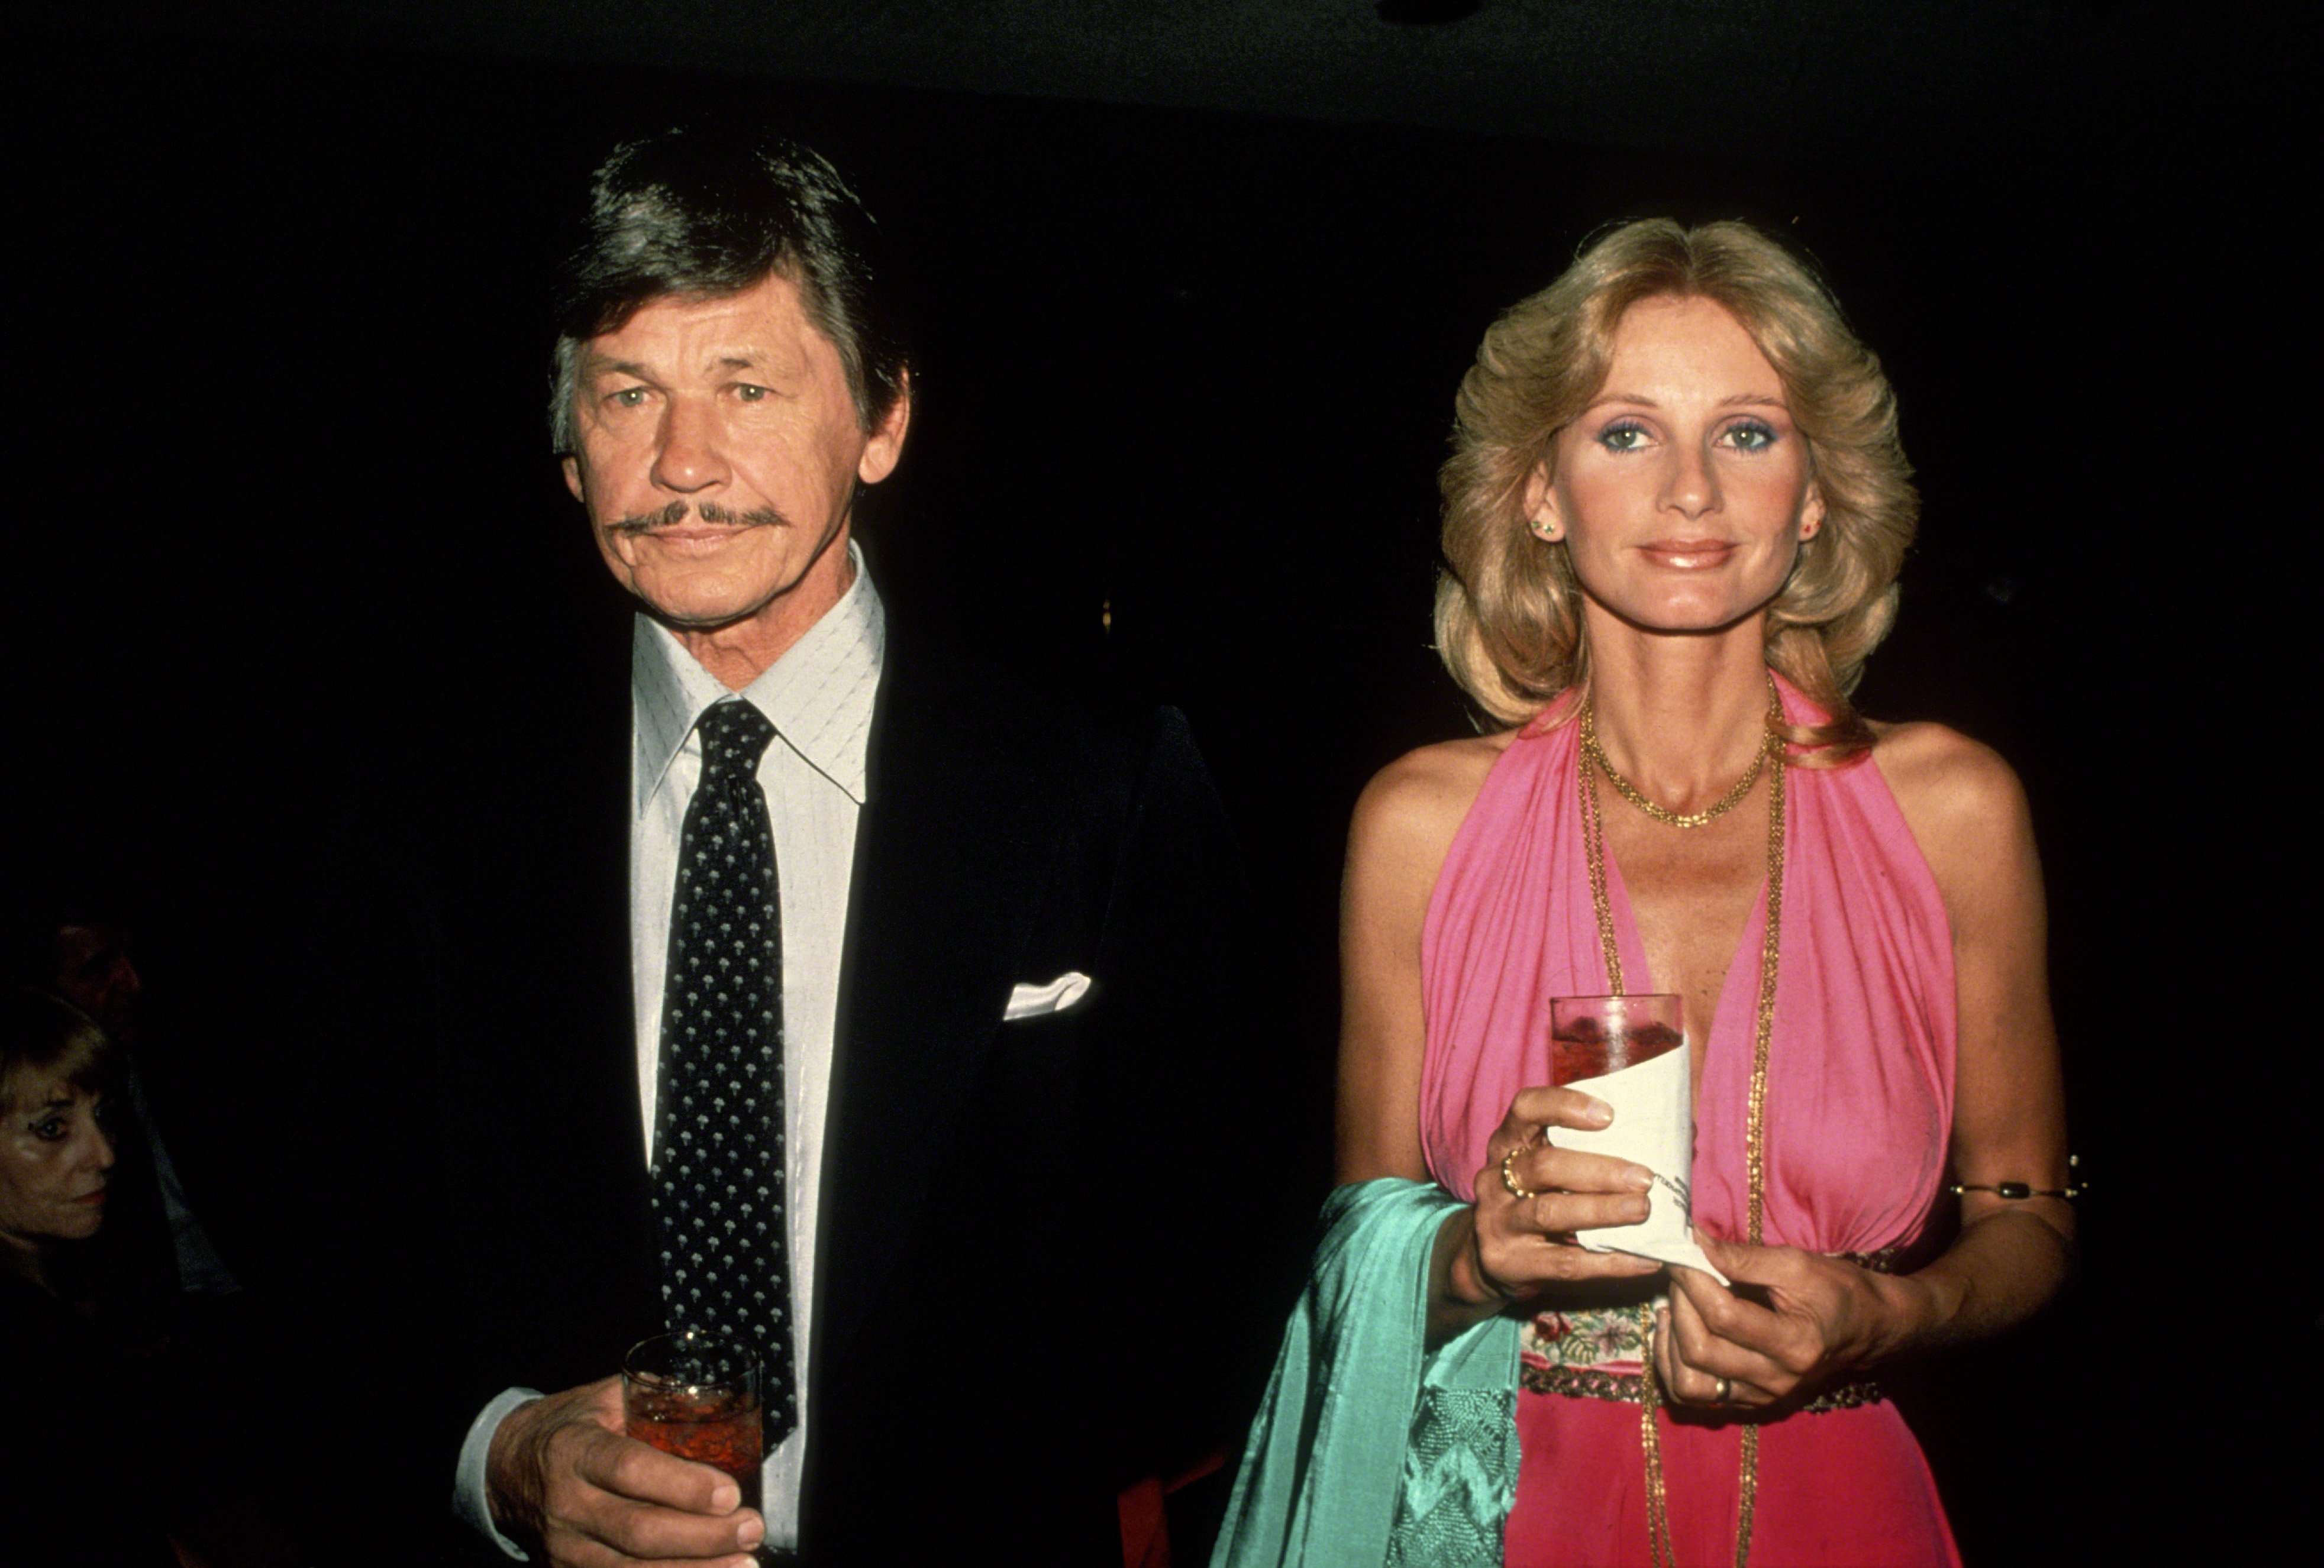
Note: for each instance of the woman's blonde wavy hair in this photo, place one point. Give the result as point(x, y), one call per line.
point(1509, 611)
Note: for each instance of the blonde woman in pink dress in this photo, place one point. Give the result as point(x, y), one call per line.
point(1673, 519)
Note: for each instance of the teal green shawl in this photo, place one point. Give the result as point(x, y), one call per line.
point(1371, 1449)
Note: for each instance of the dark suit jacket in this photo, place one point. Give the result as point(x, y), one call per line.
point(1033, 1255)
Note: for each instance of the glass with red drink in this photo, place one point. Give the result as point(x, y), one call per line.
point(695, 1394)
point(1592, 1036)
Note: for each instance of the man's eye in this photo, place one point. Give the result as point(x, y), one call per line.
point(628, 398)
point(51, 1131)
point(751, 394)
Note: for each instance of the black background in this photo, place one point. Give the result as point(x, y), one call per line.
point(278, 370)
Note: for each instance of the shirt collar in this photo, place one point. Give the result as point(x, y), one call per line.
point(817, 695)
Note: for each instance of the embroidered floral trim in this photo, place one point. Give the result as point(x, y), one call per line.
point(1612, 1339)
point(1584, 1337)
point(1629, 1388)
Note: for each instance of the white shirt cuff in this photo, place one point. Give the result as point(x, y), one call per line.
point(469, 1500)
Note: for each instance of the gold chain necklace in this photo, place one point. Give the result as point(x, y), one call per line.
point(1661, 814)
point(1755, 1139)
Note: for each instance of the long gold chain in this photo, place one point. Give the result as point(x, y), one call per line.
point(1664, 814)
point(1593, 845)
point(1755, 1127)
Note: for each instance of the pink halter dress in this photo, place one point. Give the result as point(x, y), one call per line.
point(1859, 1112)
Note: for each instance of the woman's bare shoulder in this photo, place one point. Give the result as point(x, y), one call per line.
point(1422, 796)
point(1942, 770)
point(1963, 803)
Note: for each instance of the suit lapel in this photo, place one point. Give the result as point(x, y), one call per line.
point(950, 848)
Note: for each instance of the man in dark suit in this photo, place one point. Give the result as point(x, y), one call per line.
point(984, 1101)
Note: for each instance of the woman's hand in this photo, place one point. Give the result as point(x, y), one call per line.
point(1825, 1320)
point(1524, 1243)
point(1506, 1248)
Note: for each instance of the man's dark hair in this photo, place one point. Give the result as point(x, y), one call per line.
point(704, 213)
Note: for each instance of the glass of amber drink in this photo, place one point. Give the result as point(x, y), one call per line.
point(695, 1394)
point(1591, 1037)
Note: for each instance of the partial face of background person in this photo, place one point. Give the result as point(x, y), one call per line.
point(719, 452)
point(95, 975)
point(55, 1148)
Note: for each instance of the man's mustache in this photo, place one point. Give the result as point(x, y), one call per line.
point(711, 512)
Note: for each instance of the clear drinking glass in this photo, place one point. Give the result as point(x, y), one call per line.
point(1592, 1036)
point(695, 1394)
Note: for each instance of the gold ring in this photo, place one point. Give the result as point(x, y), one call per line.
point(1509, 1176)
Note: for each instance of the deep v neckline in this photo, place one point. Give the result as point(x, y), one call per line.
point(1632, 944)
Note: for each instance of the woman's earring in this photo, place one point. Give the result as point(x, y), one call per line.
point(1545, 530)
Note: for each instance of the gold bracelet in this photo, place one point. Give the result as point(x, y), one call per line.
point(2017, 1191)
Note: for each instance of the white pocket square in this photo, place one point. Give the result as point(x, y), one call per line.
point(1033, 1001)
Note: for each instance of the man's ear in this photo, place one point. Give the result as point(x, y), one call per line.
point(885, 448)
point(572, 466)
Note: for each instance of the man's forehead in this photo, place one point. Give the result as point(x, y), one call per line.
point(776, 297)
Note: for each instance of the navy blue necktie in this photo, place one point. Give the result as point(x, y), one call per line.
point(718, 1196)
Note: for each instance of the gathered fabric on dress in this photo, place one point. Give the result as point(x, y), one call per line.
point(1858, 1114)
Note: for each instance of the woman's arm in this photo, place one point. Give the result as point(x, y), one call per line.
point(1501, 1249)
point(1828, 1319)
point(1404, 824)
point(1968, 812)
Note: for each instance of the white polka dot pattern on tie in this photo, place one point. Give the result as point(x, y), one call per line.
point(717, 1176)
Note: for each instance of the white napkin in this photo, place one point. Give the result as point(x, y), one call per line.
point(1030, 1001)
point(1653, 1125)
